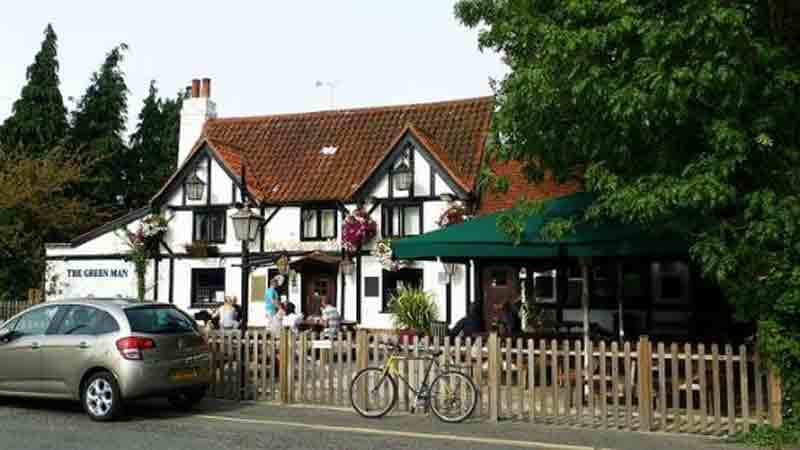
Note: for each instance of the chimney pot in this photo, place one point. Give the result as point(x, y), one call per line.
point(205, 88)
point(195, 88)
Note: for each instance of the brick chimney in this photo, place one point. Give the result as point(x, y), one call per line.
point(197, 108)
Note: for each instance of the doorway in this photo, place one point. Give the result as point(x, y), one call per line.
point(500, 285)
point(318, 285)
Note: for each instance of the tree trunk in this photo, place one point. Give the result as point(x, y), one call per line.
point(141, 274)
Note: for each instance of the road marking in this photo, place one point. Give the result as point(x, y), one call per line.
point(406, 434)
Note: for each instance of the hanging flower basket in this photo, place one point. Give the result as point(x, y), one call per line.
point(383, 251)
point(454, 214)
point(283, 265)
point(357, 229)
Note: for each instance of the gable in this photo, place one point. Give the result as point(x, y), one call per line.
point(431, 176)
point(222, 185)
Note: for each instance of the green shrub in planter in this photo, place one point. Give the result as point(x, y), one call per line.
point(413, 309)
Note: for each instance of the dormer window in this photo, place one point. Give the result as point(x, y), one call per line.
point(318, 224)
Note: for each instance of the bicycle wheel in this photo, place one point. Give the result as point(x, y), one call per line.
point(372, 393)
point(453, 397)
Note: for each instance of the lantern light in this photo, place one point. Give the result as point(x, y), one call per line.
point(402, 177)
point(194, 188)
point(246, 224)
point(347, 266)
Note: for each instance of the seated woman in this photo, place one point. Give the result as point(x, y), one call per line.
point(469, 325)
point(228, 316)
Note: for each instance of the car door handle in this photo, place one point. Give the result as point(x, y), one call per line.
point(83, 345)
point(35, 345)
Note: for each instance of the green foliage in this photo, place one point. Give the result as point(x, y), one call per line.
point(766, 437)
point(38, 120)
point(98, 125)
point(151, 157)
point(512, 221)
point(36, 207)
point(414, 309)
point(684, 108)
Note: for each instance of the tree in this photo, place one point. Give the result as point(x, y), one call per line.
point(683, 108)
point(39, 119)
point(152, 157)
point(36, 207)
point(98, 125)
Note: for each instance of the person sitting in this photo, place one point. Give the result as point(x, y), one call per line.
point(470, 324)
point(292, 319)
point(509, 316)
point(331, 319)
point(227, 315)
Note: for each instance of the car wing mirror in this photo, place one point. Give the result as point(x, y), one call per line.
point(6, 336)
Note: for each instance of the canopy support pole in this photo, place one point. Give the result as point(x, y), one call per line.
point(620, 293)
point(585, 292)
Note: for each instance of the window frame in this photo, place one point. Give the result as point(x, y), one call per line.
point(388, 277)
point(387, 226)
point(195, 274)
point(54, 321)
point(318, 210)
point(55, 329)
point(208, 211)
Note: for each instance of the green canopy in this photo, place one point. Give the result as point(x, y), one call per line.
point(481, 238)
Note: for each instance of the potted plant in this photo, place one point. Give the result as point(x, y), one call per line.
point(413, 311)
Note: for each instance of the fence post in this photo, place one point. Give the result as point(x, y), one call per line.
point(775, 387)
point(284, 359)
point(362, 361)
point(494, 377)
point(645, 361)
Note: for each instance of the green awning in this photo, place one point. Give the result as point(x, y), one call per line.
point(481, 238)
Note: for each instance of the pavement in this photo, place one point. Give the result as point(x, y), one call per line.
point(152, 425)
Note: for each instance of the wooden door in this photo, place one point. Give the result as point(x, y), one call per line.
point(318, 286)
point(500, 285)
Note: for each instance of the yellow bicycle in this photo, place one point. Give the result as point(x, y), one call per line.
point(452, 396)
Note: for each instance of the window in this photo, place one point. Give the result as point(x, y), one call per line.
point(84, 320)
point(206, 284)
point(35, 322)
point(209, 226)
point(159, 319)
point(400, 220)
point(402, 278)
point(545, 287)
point(318, 224)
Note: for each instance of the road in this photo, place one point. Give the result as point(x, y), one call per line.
point(152, 425)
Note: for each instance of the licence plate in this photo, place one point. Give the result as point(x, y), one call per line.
point(188, 374)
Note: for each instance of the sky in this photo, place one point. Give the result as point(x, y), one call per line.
point(263, 57)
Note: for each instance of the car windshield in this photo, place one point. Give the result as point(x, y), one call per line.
point(159, 319)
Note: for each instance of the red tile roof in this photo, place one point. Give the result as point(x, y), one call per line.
point(520, 187)
point(283, 152)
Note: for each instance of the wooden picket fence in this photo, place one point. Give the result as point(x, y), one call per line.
point(688, 388)
point(10, 309)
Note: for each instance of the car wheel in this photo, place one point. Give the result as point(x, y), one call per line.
point(185, 399)
point(101, 398)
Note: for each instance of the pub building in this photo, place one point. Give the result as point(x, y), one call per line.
point(406, 167)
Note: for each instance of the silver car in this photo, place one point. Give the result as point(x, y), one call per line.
point(102, 353)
